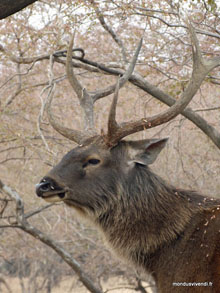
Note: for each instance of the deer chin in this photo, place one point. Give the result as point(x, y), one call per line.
point(72, 202)
point(54, 197)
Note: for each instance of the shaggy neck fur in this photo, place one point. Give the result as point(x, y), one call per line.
point(147, 215)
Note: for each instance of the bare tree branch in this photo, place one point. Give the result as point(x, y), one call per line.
point(139, 81)
point(109, 30)
point(24, 225)
point(199, 31)
point(37, 211)
point(207, 109)
point(165, 98)
point(125, 77)
point(156, 10)
point(86, 99)
point(2, 280)
point(9, 7)
point(30, 60)
point(201, 68)
point(19, 203)
point(22, 60)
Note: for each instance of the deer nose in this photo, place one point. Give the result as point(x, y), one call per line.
point(43, 187)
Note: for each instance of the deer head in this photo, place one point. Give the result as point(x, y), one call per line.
point(99, 153)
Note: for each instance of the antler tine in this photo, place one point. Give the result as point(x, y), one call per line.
point(85, 99)
point(201, 67)
point(112, 123)
point(76, 85)
point(86, 103)
point(75, 135)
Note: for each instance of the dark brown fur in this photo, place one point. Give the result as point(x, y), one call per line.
point(174, 234)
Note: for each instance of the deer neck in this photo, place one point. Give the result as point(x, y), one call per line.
point(148, 216)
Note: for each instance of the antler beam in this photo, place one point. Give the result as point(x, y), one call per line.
point(72, 134)
point(86, 103)
point(201, 67)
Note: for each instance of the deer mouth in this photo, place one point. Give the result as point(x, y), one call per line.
point(50, 191)
point(54, 197)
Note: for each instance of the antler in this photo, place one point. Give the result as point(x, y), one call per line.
point(201, 67)
point(86, 103)
point(75, 135)
point(87, 100)
point(112, 123)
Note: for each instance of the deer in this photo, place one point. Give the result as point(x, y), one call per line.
point(168, 232)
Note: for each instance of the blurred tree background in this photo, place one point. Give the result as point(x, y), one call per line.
point(108, 32)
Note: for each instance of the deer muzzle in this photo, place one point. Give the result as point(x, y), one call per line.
point(49, 190)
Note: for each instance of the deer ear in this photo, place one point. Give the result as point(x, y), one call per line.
point(145, 152)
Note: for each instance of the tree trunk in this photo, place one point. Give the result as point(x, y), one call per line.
point(9, 7)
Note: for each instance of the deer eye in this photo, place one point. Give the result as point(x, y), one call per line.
point(91, 162)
